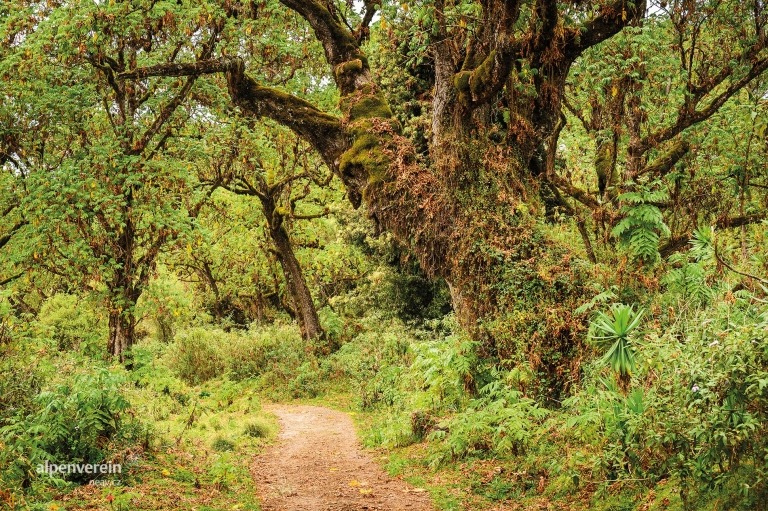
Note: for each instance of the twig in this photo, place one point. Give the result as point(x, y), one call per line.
point(734, 270)
point(187, 424)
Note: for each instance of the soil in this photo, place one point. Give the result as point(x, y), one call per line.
point(317, 464)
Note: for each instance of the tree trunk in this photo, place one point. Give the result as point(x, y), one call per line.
point(469, 209)
point(122, 326)
point(306, 314)
point(219, 306)
point(126, 288)
point(303, 305)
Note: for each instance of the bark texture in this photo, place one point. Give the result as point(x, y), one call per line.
point(122, 327)
point(303, 305)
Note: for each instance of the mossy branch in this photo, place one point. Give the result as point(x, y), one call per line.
point(322, 130)
point(340, 44)
point(664, 163)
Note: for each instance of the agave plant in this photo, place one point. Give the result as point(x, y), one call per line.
point(611, 331)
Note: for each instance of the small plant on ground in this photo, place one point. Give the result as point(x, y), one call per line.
point(612, 333)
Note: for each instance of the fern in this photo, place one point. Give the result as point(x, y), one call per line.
point(500, 422)
point(643, 225)
point(602, 297)
point(689, 281)
point(688, 278)
point(69, 426)
point(702, 248)
point(446, 370)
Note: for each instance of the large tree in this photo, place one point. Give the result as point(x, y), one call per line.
point(102, 183)
point(494, 73)
point(463, 171)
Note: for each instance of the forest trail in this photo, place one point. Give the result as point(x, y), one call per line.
point(317, 464)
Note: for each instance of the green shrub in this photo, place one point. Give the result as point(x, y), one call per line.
point(72, 323)
point(224, 473)
point(221, 444)
point(500, 422)
point(277, 349)
point(696, 409)
point(333, 325)
point(307, 382)
point(19, 385)
point(196, 355)
point(258, 428)
point(7, 317)
point(447, 370)
point(77, 423)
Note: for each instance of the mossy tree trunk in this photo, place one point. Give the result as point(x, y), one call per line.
point(468, 210)
point(303, 305)
point(124, 294)
point(130, 276)
point(122, 328)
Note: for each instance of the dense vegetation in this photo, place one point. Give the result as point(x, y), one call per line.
point(523, 240)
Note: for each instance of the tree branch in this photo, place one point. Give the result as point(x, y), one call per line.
point(577, 193)
point(734, 270)
point(688, 118)
point(679, 242)
point(664, 163)
point(323, 131)
point(7, 238)
point(340, 45)
point(10, 279)
point(201, 67)
point(609, 22)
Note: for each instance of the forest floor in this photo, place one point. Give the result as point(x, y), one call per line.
point(317, 464)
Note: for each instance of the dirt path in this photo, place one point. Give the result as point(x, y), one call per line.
point(318, 465)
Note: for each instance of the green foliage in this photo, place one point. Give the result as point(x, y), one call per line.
point(168, 305)
point(695, 410)
point(500, 422)
point(643, 224)
point(258, 429)
point(74, 423)
point(332, 324)
point(612, 333)
point(223, 472)
point(20, 383)
point(7, 318)
point(72, 323)
point(689, 278)
point(447, 371)
point(484, 414)
point(221, 444)
point(276, 351)
point(195, 355)
point(106, 198)
point(600, 298)
point(275, 356)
